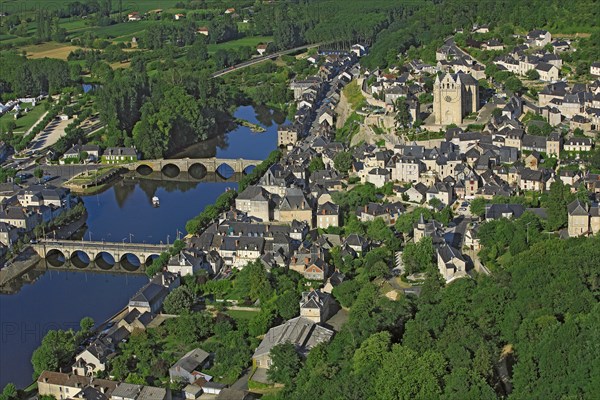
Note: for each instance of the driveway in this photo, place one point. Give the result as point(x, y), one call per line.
point(50, 135)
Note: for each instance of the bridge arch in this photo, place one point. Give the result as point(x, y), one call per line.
point(105, 260)
point(130, 262)
point(171, 170)
point(248, 169)
point(144, 169)
point(225, 171)
point(197, 170)
point(56, 258)
point(79, 259)
point(150, 259)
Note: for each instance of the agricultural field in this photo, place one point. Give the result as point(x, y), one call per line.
point(14, 6)
point(120, 32)
point(50, 50)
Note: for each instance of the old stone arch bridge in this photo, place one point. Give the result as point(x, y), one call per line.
point(197, 166)
point(120, 252)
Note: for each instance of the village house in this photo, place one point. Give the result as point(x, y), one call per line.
point(302, 332)
point(256, 202)
point(134, 16)
point(378, 177)
point(509, 211)
point(583, 219)
point(119, 155)
point(578, 144)
point(67, 386)
point(388, 212)
point(595, 68)
point(87, 152)
point(151, 296)
point(191, 261)
point(432, 229)
point(188, 367)
point(538, 38)
point(451, 263)
point(328, 214)
point(317, 306)
point(294, 206)
point(262, 48)
point(288, 135)
point(130, 391)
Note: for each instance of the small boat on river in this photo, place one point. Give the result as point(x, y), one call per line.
point(155, 202)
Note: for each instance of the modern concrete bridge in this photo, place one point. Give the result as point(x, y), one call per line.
point(192, 165)
point(71, 250)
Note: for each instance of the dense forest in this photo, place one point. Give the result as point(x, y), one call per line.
point(529, 331)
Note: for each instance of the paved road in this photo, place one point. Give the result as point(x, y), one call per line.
point(62, 172)
point(49, 135)
point(261, 59)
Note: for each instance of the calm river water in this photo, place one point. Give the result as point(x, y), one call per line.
point(60, 299)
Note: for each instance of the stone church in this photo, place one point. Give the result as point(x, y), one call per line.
point(454, 97)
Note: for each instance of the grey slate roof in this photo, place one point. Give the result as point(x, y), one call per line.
point(303, 333)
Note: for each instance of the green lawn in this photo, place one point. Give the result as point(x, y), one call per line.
point(241, 315)
point(26, 121)
point(251, 41)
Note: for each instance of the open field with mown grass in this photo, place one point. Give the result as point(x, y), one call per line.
point(26, 121)
point(50, 50)
point(251, 41)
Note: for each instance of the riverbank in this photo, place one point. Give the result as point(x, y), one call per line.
point(28, 258)
point(18, 266)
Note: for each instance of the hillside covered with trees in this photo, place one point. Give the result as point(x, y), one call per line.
point(527, 332)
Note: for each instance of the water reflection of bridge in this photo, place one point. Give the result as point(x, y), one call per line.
point(99, 256)
point(185, 177)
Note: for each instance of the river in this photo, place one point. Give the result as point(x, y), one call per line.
point(123, 212)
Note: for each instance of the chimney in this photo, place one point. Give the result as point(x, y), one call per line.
point(306, 260)
point(237, 243)
point(365, 208)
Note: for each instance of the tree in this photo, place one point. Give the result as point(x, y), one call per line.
point(179, 300)
point(56, 350)
point(316, 164)
point(86, 324)
point(252, 282)
point(38, 173)
point(286, 363)
point(10, 126)
point(559, 197)
point(9, 392)
point(513, 84)
point(418, 257)
point(287, 304)
point(435, 203)
point(402, 117)
point(533, 75)
point(477, 206)
point(343, 161)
